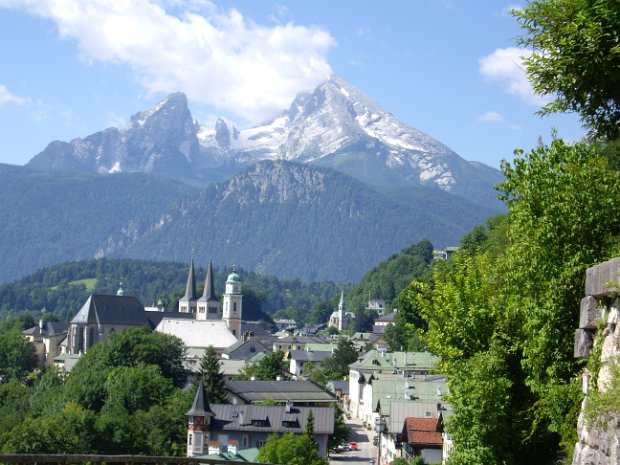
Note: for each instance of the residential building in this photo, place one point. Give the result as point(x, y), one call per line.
point(213, 428)
point(300, 393)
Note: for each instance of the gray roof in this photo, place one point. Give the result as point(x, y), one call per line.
point(51, 328)
point(270, 419)
point(309, 356)
point(338, 385)
point(298, 340)
point(246, 350)
point(156, 317)
point(389, 317)
point(200, 406)
point(282, 391)
point(258, 328)
point(111, 309)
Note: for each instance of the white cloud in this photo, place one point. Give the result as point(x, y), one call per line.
point(490, 117)
point(7, 98)
point(505, 66)
point(216, 57)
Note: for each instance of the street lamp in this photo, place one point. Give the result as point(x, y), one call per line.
point(379, 428)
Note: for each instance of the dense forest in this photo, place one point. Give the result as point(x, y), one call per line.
point(62, 289)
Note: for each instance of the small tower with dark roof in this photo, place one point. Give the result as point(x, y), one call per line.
point(209, 308)
point(188, 303)
point(198, 423)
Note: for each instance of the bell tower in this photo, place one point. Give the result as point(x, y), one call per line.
point(198, 424)
point(232, 300)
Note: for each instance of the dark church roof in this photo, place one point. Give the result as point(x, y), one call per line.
point(209, 292)
point(111, 309)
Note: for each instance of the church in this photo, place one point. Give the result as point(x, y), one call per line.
point(200, 322)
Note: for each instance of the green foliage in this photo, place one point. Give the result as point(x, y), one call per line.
point(17, 356)
point(60, 290)
point(337, 366)
point(290, 449)
point(138, 348)
point(391, 276)
point(576, 58)
point(267, 368)
point(341, 430)
point(212, 378)
point(501, 312)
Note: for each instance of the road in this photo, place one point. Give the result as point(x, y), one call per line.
point(366, 450)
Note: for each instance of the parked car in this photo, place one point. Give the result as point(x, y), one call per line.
point(342, 448)
point(353, 446)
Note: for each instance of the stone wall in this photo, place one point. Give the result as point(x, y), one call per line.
point(599, 312)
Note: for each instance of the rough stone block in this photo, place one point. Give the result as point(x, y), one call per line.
point(599, 277)
point(590, 313)
point(584, 339)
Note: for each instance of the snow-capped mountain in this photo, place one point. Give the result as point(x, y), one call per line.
point(336, 125)
point(339, 126)
point(161, 140)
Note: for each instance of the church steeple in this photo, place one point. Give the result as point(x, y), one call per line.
point(341, 313)
point(187, 303)
point(209, 308)
point(199, 420)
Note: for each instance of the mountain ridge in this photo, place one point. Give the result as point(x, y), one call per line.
point(336, 125)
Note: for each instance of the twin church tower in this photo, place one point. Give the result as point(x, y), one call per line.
point(208, 307)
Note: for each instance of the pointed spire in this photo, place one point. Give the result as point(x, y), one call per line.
point(341, 303)
point(201, 407)
point(190, 289)
point(209, 293)
point(120, 291)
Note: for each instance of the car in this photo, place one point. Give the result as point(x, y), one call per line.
point(342, 448)
point(353, 446)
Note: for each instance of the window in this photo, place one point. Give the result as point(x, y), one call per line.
point(189, 439)
point(245, 440)
point(234, 306)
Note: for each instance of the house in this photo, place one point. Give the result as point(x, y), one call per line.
point(300, 359)
point(380, 363)
point(423, 437)
point(46, 338)
point(289, 343)
point(285, 324)
point(247, 348)
point(304, 393)
point(382, 322)
point(376, 305)
point(213, 428)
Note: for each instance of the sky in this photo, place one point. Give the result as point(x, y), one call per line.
point(450, 68)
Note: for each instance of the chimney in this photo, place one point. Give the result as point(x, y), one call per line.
point(233, 446)
point(288, 406)
point(41, 326)
point(215, 447)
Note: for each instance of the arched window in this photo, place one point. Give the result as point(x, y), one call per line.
point(234, 306)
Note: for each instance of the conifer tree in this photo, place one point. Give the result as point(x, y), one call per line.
point(310, 428)
point(212, 377)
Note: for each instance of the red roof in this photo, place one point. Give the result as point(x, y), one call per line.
point(423, 431)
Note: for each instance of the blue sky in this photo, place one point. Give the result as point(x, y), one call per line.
point(447, 67)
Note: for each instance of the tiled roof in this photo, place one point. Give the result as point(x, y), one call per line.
point(272, 419)
point(423, 431)
point(294, 391)
point(51, 328)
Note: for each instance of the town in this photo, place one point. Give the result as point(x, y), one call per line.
point(390, 403)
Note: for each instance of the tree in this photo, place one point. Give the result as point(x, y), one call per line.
point(309, 430)
point(212, 378)
point(267, 368)
point(17, 356)
point(576, 58)
point(290, 449)
point(337, 366)
point(341, 430)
